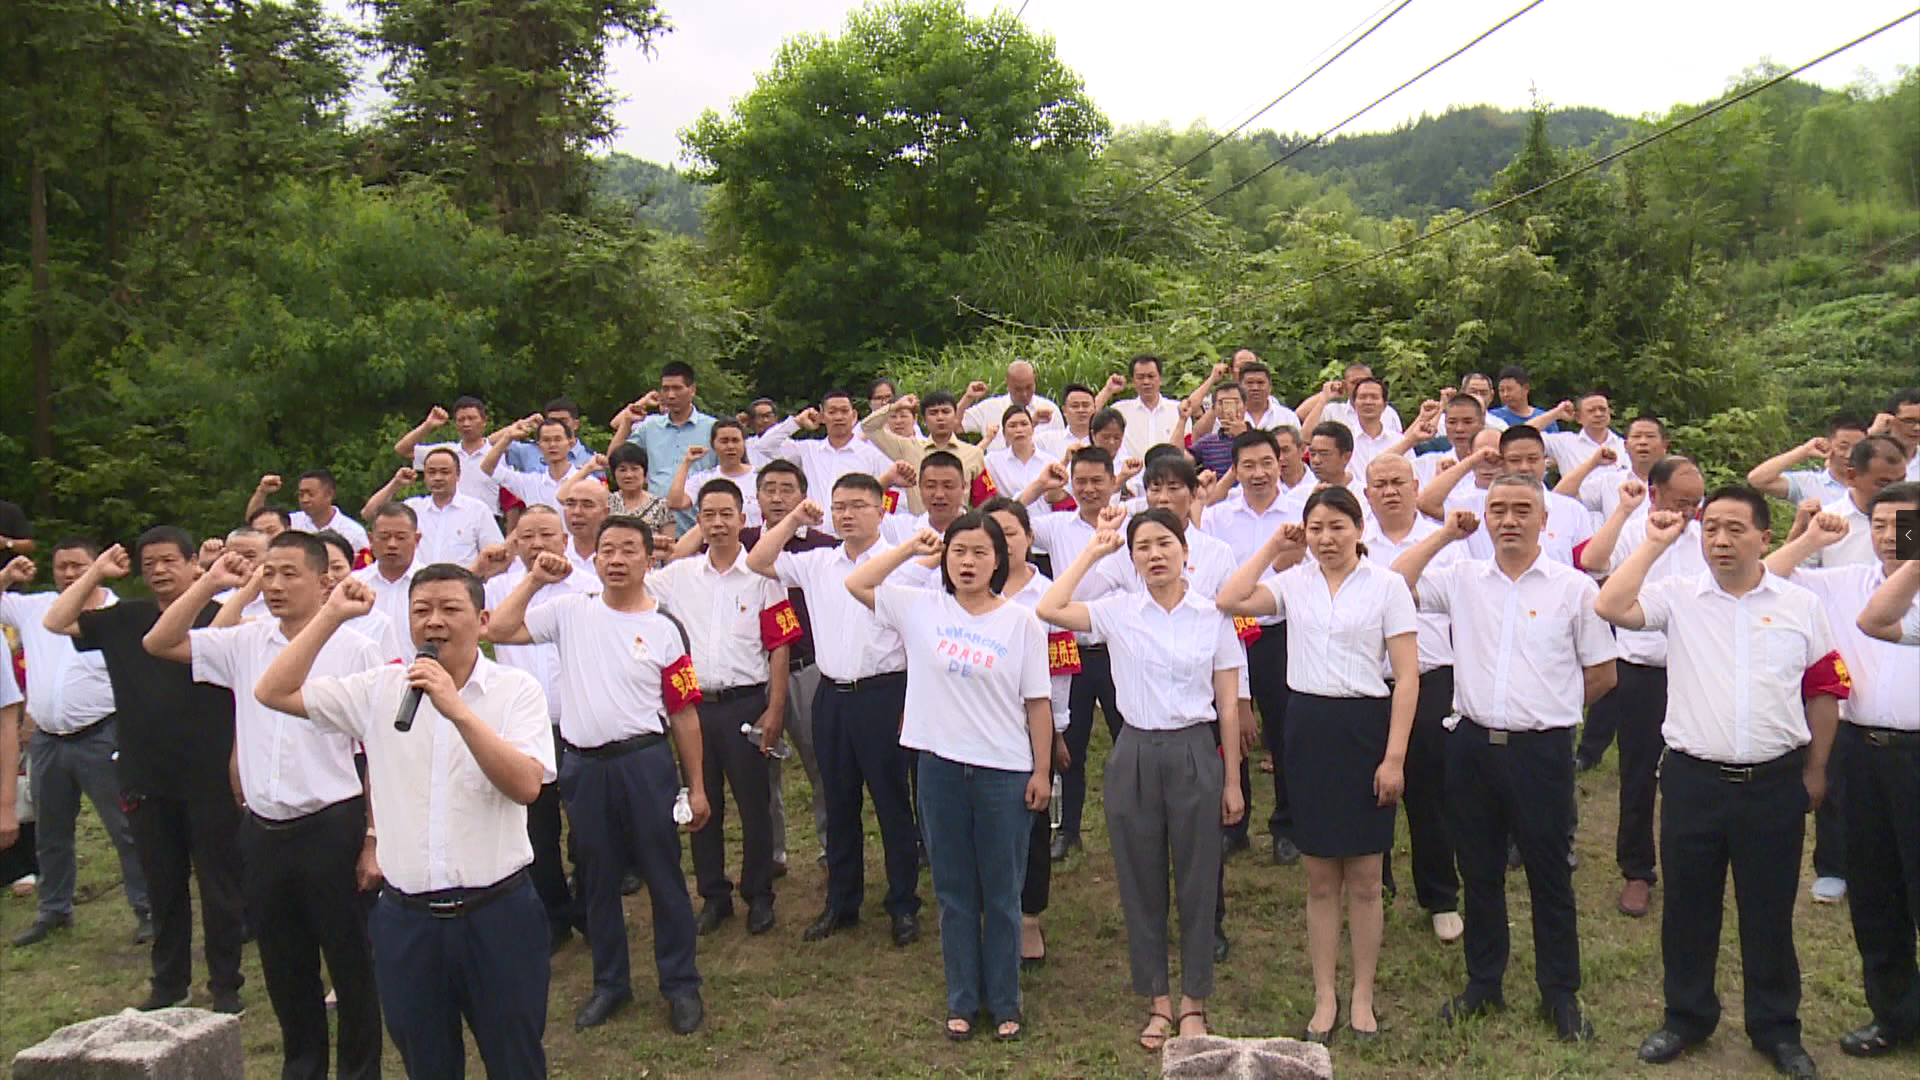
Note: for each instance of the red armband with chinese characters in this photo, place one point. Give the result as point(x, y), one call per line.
point(1246, 629)
point(679, 686)
point(779, 625)
point(1827, 678)
point(983, 488)
point(1063, 653)
point(890, 501)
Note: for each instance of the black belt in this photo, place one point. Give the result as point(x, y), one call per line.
point(616, 748)
point(871, 682)
point(1499, 737)
point(1884, 738)
point(73, 736)
point(797, 663)
point(733, 693)
point(455, 903)
point(1093, 646)
point(1793, 760)
point(301, 822)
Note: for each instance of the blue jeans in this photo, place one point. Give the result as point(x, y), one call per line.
point(977, 825)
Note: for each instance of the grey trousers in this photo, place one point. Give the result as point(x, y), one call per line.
point(800, 733)
point(1162, 792)
point(61, 770)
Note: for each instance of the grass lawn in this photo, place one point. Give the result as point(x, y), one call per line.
point(856, 1006)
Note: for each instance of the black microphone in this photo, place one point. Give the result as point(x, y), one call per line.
point(410, 703)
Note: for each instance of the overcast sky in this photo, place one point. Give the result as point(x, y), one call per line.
point(1217, 60)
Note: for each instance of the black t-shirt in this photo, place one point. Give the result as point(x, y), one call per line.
point(175, 734)
point(802, 649)
point(13, 522)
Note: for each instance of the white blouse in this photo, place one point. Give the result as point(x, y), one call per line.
point(1337, 642)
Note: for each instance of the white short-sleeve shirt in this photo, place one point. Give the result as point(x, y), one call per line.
point(1244, 529)
point(540, 661)
point(1856, 546)
point(849, 643)
point(969, 677)
point(289, 768)
point(1910, 627)
point(994, 409)
point(1337, 642)
point(474, 483)
point(1803, 484)
point(1146, 428)
point(1210, 563)
point(65, 687)
point(1570, 449)
point(1735, 665)
point(1436, 632)
point(1060, 686)
point(1163, 661)
point(722, 611)
point(9, 686)
point(1519, 645)
point(443, 825)
point(453, 533)
point(1886, 677)
point(1341, 412)
point(611, 664)
point(350, 530)
point(1682, 559)
point(747, 482)
point(390, 599)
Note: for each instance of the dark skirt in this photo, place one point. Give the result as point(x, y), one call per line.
point(1333, 746)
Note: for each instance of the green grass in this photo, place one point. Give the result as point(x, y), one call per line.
point(856, 1006)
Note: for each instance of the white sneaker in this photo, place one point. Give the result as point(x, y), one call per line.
point(1447, 926)
point(1829, 890)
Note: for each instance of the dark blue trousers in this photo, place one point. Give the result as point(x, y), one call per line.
point(488, 967)
point(856, 738)
point(621, 810)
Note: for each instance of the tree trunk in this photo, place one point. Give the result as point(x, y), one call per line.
point(41, 312)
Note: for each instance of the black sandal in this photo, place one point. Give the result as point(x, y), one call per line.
point(1160, 1040)
point(1000, 1032)
point(961, 1034)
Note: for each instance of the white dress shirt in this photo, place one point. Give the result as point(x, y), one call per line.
point(9, 686)
point(1244, 529)
point(1209, 563)
point(289, 768)
point(992, 410)
point(350, 530)
point(377, 628)
point(1341, 412)
point(1569, 450)
point(1735, 665)
point(747, 482)
point(1365, 448)
point(1682, 559)
point(1337, 642)
point(849, 643)
point(443, 825)
point(1886, 677)
point(822, 463)
point(1146, 428)
point(537, 488)
point(612, 667)
point(390, 599)
point(1519, 645)
point(64, 686)
point(1163, 661)
point(1063, 535)
point(1011, 475)
point(1434, 628)
point(473, 482)
point(453, 533)
point(1856, 546)
point(969, 677)
point(1277, 416)
point(1910, 627)
point(540, 661)
point(1060, 687)
point(721, 610)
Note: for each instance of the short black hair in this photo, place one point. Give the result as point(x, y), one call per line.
point(1662, 472)
point(996, 536)
point(1463, 398)
point(1233, 388)
point(720, 485)
point(1161, 517)
point(936, 399)
point(1015, 409)
point(1873, 447)
point(1255, 368)
point(1335, 430)
point(1515, 372)
point(553, 421)
point(562, 404)
point(396, 508)
point(436, 452)
point(325, 476)
point(1106, 418)
point(1174, 468)
point(441, 571)
point(1339, 498)
point(1909, 395)
point(859, 481)
point(628, 522)
point(1521, 433)
point(337, 542)
point(677, 368)
point(1144, 358)
point(1648, 418)
point(1904, 491)
point(1371, 380)
point(836, 392)
point(286, 519)
point(1840, 422)
point(1756, 503)
point(779, 467)
point(1094, 455)
point(1592, 391)
point(1073, 388)
point(1000, 504)
point(1253, 437)
point(76, 542)
point(310, 546)
point(627, 453)
point(726, 423)
point(942, 459)
point(759, 401)
point(467, 401)
point(164, 534)
point(873, 388)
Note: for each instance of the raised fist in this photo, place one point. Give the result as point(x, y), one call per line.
point(927, 542)
point(1043, 415)
point(1632, 493)
point(693, 454)
point(436, 416)
point(1461, 524)
point(268, 484)
point(809, 512)
point(809, 419)
point(114, 563)
point(405, 475)
point(18, 570)
point(976, 389)
point(351, 598)
point(1116, 383)
point(1664, 526)
point(1111, 517)
point(548, 568)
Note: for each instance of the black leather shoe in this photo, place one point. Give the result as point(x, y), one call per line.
point(1569, 1025)
point(1514, 861)
point(685, 1012)
point(1233, 843)
point(159, 1000)
point(1063, 846)
point(1285, 851)
point(1663, 1046)
point(906, 929)
point(602, 1005)
point(41, 930)
point(630, 883)
point(229, 1003)
point(1221, 946)
point(1467, 1005)
point(779, 868)
point(143, 929)
point(1871, 1041)
point(712, 914)
point(760, 915)
point(829, 923)
point(1792, 1059)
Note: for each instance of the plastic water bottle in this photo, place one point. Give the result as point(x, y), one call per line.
point(1053, 804)
point(755, 733)
point(682, 809)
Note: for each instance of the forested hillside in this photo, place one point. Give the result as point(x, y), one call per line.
point(208, 271)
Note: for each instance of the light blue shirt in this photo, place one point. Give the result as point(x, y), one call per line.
point(666, 444)
point(525, 456)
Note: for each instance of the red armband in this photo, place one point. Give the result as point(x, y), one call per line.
point(509, 502)
point(983, 488)
point(1827, 678)
point(363, 558)
point(1580, 549)
point(679, 686)
point(1247, 630)
point(779, 625)
point(1066, 503)
point(890, 501)
point(1063, 653)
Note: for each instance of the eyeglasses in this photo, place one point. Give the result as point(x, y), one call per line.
point(848, 508)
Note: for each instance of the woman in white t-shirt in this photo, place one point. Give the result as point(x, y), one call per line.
point(1346, 737)
point(1175, 672)
point(1025, 585)
point(729, 439)
point(978, 712)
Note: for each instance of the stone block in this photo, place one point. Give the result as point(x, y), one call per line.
point(1213, 1057)
point(168, 1044)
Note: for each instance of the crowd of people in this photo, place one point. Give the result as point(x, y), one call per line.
point(378, 745)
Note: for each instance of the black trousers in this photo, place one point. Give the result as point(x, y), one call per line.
point(1267, 678)
point(856, 740)
point(182, 841)
point(1639, 707)
point(1092, 686)
point(488, 967)
point(306, 905)
point(1436, 882)
point(549, 872)
point(1830, 821)
point(1602, 724)
point(732, 760)
point(1518, 784)
point(621, 808)
point(1037, 888)
point(1755, 826)
point(1883, 879)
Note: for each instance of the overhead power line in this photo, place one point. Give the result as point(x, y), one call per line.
point(1262, 110)
point(1450, 226)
